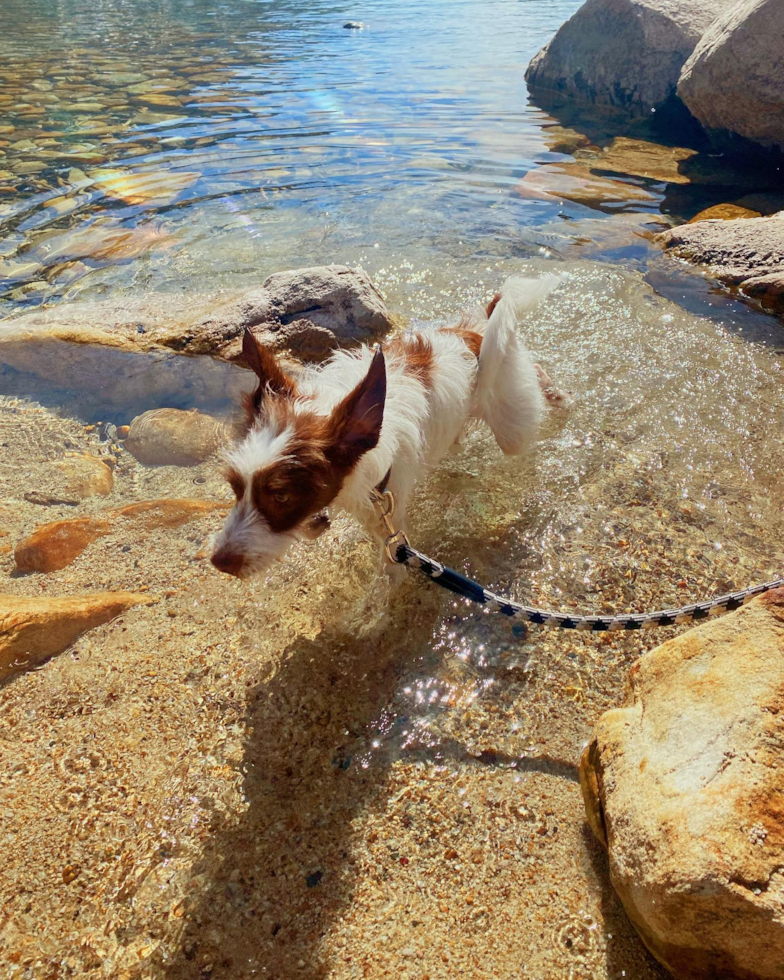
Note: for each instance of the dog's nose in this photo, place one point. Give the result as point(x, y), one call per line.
point(228, 562)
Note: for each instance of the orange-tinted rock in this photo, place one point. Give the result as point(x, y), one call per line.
point(84, 476)
point(54, 546)
point(724, 212)
point(32, 629)
point(685, 787)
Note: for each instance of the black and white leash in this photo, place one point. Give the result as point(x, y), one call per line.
point(400, 552)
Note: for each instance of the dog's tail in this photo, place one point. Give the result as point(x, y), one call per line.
point(508, 395)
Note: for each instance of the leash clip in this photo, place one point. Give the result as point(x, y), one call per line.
point(384, 502)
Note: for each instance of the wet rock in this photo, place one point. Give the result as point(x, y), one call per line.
point(639, 158)
point(626, 53)
point(353, 25)
point(576, 182)
point(28, 167)
point(733, 83)
point(724, 212)
point(686, 787)
point(745, 252)
point(34, 629)
point(153, 187)
point(172, 437)
point(54, 546)
point(122, 79)
point(307, 312)
point(84, 476)
point(336, 299)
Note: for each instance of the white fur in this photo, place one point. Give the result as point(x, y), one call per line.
point(420, 425)
point(262, 446)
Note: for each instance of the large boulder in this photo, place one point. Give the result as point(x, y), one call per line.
point(734, 80)
point(626, 53)
point(685, 786)
point(744, 252)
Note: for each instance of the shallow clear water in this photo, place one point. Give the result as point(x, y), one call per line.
point(223, 750)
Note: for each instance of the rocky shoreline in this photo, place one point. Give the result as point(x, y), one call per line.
point(706, 68)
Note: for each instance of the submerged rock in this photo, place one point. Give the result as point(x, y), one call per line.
point(745, 252)
point(626, 53)
point(84, 476)
point(685, 786)
point(733, 83)
point(575, 182)
point(54, 546)
point(33, 629)
point(172, 437)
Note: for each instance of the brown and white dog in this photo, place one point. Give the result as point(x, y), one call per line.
point(327, 439)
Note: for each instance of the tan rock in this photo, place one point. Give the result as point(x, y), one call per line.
point(322, 306)
point(686, 786)
point(55, 545)
point(639, 158)
point(172, 437)
point(724, 212)
point(84, 476)
point(152, 187)
point(33, 629)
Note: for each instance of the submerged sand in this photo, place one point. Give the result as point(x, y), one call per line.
point(307, 777)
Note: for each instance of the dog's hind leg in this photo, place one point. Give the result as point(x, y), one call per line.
point(554, 397)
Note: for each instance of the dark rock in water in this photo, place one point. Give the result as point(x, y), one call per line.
point(353, 25)
point(626, 53)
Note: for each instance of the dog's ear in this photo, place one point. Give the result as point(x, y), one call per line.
point(272, 379)
point(355, 425)
point(263, 362)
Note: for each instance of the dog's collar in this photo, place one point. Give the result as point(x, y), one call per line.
point(381, 487)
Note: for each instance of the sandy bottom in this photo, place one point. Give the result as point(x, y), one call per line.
point(308, 777)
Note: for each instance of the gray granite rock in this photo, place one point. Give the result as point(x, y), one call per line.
point(734, 80)
point(626, 53)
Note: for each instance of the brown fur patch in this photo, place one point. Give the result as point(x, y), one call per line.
point(321, 454)
point(492, 305)
point(304, 483)
point(417, 352)
point(273, 380)
point(471, 338)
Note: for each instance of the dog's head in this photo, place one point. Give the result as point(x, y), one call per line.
point(291, 462)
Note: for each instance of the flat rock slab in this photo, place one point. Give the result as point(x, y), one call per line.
point(745, 252)
point(685, 786)
point(55, 545)
point(626, 53)
point(33, 629)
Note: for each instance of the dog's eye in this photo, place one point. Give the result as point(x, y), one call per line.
point(281, 497)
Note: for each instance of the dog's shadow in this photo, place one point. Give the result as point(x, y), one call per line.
point(278, 878)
